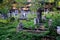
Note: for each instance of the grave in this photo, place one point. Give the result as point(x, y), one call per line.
point(36, 21)
point(50, 22)
point(58, 29)
point(44, 18)
point(20, 27)
point(24, 13)
point(14, 12)
point(46, 11)
point(0, 16)
point(3, 16)
point(39, 15)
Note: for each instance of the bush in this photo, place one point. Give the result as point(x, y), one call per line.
point(12, 19)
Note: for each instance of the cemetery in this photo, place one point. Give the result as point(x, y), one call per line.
point(30, 20)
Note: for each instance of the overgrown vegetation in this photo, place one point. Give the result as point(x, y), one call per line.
point(8, 30)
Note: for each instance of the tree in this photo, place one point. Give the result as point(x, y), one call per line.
point(5, 5)
point(1, 1)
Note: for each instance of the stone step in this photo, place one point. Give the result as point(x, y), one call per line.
point(35, 31)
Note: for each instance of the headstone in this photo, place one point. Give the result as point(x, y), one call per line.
point(39, 14)
point(58, 29)
point(36, 21)
point(20, 27)
point(46, 11)
point(8, 15)
point(4, 16)
point(14, 13)
point(23, 14)
point(43, 18)
point(0, 16)
point(50, 22)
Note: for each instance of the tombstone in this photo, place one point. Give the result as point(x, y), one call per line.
point(36, 21)
point(50, 22)
point(46, 11)
point(8, 15)
point(58, 29)
point(14, 13)
point(23, 14)
point(4, 16)
point(44, 18)
point(39, 14)
point(19, 27)
point(0, 16)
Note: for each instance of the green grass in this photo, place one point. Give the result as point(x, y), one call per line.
point(8, 30)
